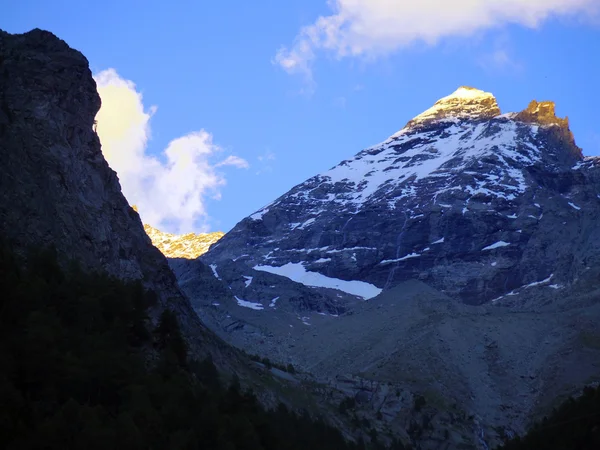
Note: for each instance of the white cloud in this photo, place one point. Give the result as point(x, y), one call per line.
point(234, 161)
point(169, 195)
point(372, 28)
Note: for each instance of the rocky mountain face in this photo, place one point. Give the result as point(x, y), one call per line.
point(187, 246)
point(57, 189)
point(463, 198)
point(457, 260)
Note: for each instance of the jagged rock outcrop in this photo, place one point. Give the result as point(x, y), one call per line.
point(543, 113)
point(187, 246)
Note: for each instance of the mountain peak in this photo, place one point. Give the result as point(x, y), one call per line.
point(468, 92)
point(187, 246)
point(464, 103)
point(543, 113)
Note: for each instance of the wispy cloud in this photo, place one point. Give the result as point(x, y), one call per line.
point(268, 155)
point(169, 195)
point(501, 57)
point(234, 161)
point(373, 28)
point(265, 161)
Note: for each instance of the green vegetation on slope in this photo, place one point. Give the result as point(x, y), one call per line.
point(73, 374)
point(575, 425)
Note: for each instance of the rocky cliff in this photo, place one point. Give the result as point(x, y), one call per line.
point(187, 246)
point(472, 202)
point(57, 189)
point(458, 260)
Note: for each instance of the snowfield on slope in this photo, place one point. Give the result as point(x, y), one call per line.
point(428, 155)
point(298, 273)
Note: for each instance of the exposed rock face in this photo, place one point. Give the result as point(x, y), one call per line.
point(464, 103)
point(474, 237)
point(543, 113)
point(469, 201)
point(55, 185)
point(187, 246)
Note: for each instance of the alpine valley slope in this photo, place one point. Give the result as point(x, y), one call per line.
point(473, 237)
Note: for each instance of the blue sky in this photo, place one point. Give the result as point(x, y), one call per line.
point(293, 104)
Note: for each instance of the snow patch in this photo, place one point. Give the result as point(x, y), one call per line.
point(537, 283)
point(321, 260)
point(573, 205)
point(527, 286)
point(273, 302)
point(305, 224)
point(496, 245)
point(248, 280)
point(259, 214)
point(213, 267)
point(404, 258)
point(439, 241)
point(298, 273)
point(251, 305)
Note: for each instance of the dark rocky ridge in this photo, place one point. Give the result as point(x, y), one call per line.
point(57, 189)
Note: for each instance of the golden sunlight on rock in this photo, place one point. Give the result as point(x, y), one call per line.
point(187, 246)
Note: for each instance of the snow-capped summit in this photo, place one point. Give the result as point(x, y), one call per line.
point(469, 201)
point(464, 103)
point(459, 256)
